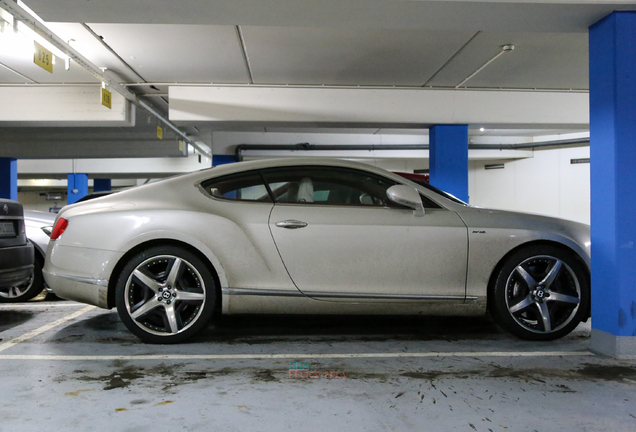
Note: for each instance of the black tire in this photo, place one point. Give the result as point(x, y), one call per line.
point(161, 303)
point(541, 293)
point(28, 290)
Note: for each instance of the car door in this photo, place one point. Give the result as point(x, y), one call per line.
point(341, 239)
point(241, 239)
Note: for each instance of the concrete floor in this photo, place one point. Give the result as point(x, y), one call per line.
point(65, 367)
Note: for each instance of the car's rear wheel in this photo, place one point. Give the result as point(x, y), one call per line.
point(28, 290)
point(541, 293)
point(165, 294)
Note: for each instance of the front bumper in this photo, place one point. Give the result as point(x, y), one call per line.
point(16, 265)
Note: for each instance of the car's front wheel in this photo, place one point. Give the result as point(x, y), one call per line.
point(540, 293)
point(165, 294)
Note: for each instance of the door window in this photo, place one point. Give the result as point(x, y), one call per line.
point(328, 185)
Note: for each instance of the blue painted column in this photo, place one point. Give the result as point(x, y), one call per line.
point(613, 183)
point(222, 159)
point(101, 185)
point(9, 178)
point(448, 160)
point(77, 187)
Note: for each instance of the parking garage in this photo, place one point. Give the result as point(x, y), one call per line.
point(509, 106)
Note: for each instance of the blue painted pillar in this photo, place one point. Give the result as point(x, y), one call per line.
point(448, 160)
point(613, 183)
point(77, 187)
point(223, 159)
point(9, 178)
point(101, 185)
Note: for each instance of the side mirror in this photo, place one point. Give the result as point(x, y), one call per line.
point(406, 196)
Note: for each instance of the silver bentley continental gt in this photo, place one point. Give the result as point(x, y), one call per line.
point(307, 236)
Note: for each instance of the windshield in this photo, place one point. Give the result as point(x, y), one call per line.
point(440, 192)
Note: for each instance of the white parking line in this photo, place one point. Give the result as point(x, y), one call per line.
point(33, 333)
point(298, 356)
point(40, 305)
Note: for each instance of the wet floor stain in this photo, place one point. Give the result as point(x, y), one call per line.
point(119, 379)
point(166, 377)
point(77, 392)
point(588, 372)
point(264, 375)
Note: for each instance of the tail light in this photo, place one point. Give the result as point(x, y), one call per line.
point(59, 228)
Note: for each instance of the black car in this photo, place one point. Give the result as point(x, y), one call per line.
point(16, 252)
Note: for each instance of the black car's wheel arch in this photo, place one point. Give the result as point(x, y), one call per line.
point(112, 283)
point(504, 259)
point(38, 251)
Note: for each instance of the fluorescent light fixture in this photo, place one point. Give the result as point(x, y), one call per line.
point(16, 45)
point(19, 42)
point(29, 10)
point(494, 166)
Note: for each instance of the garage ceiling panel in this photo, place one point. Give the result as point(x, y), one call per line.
point(172, 53)
point(9, 77)
point(502, 15)
point(539, 60)
point(84, 42)
point(348, 56)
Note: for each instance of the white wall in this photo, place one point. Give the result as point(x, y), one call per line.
point(31, 200)
point(546, 184)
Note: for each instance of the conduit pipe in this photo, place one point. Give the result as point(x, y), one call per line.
point(371, 147)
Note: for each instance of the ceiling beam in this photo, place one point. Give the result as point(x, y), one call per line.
point(379, 107)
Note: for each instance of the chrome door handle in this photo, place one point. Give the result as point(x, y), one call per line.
point(291, 224)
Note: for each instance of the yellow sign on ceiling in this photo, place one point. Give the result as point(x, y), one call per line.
point(42, 57)
point(106, 98)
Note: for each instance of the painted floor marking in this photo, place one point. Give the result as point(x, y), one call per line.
point(40, 305)
point(295, 356)
point(8, 344)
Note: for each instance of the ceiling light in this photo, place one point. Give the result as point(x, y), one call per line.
point(20, 43)
point(481, 129)
point(16, 45)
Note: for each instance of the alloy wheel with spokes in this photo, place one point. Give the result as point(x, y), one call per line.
point(165, 295)
point(541, 293)
point(14, 293)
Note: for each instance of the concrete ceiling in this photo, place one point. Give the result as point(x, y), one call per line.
point(151, 44)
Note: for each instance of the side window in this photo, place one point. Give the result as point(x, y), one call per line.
point(328, 186)
point(241, 187)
